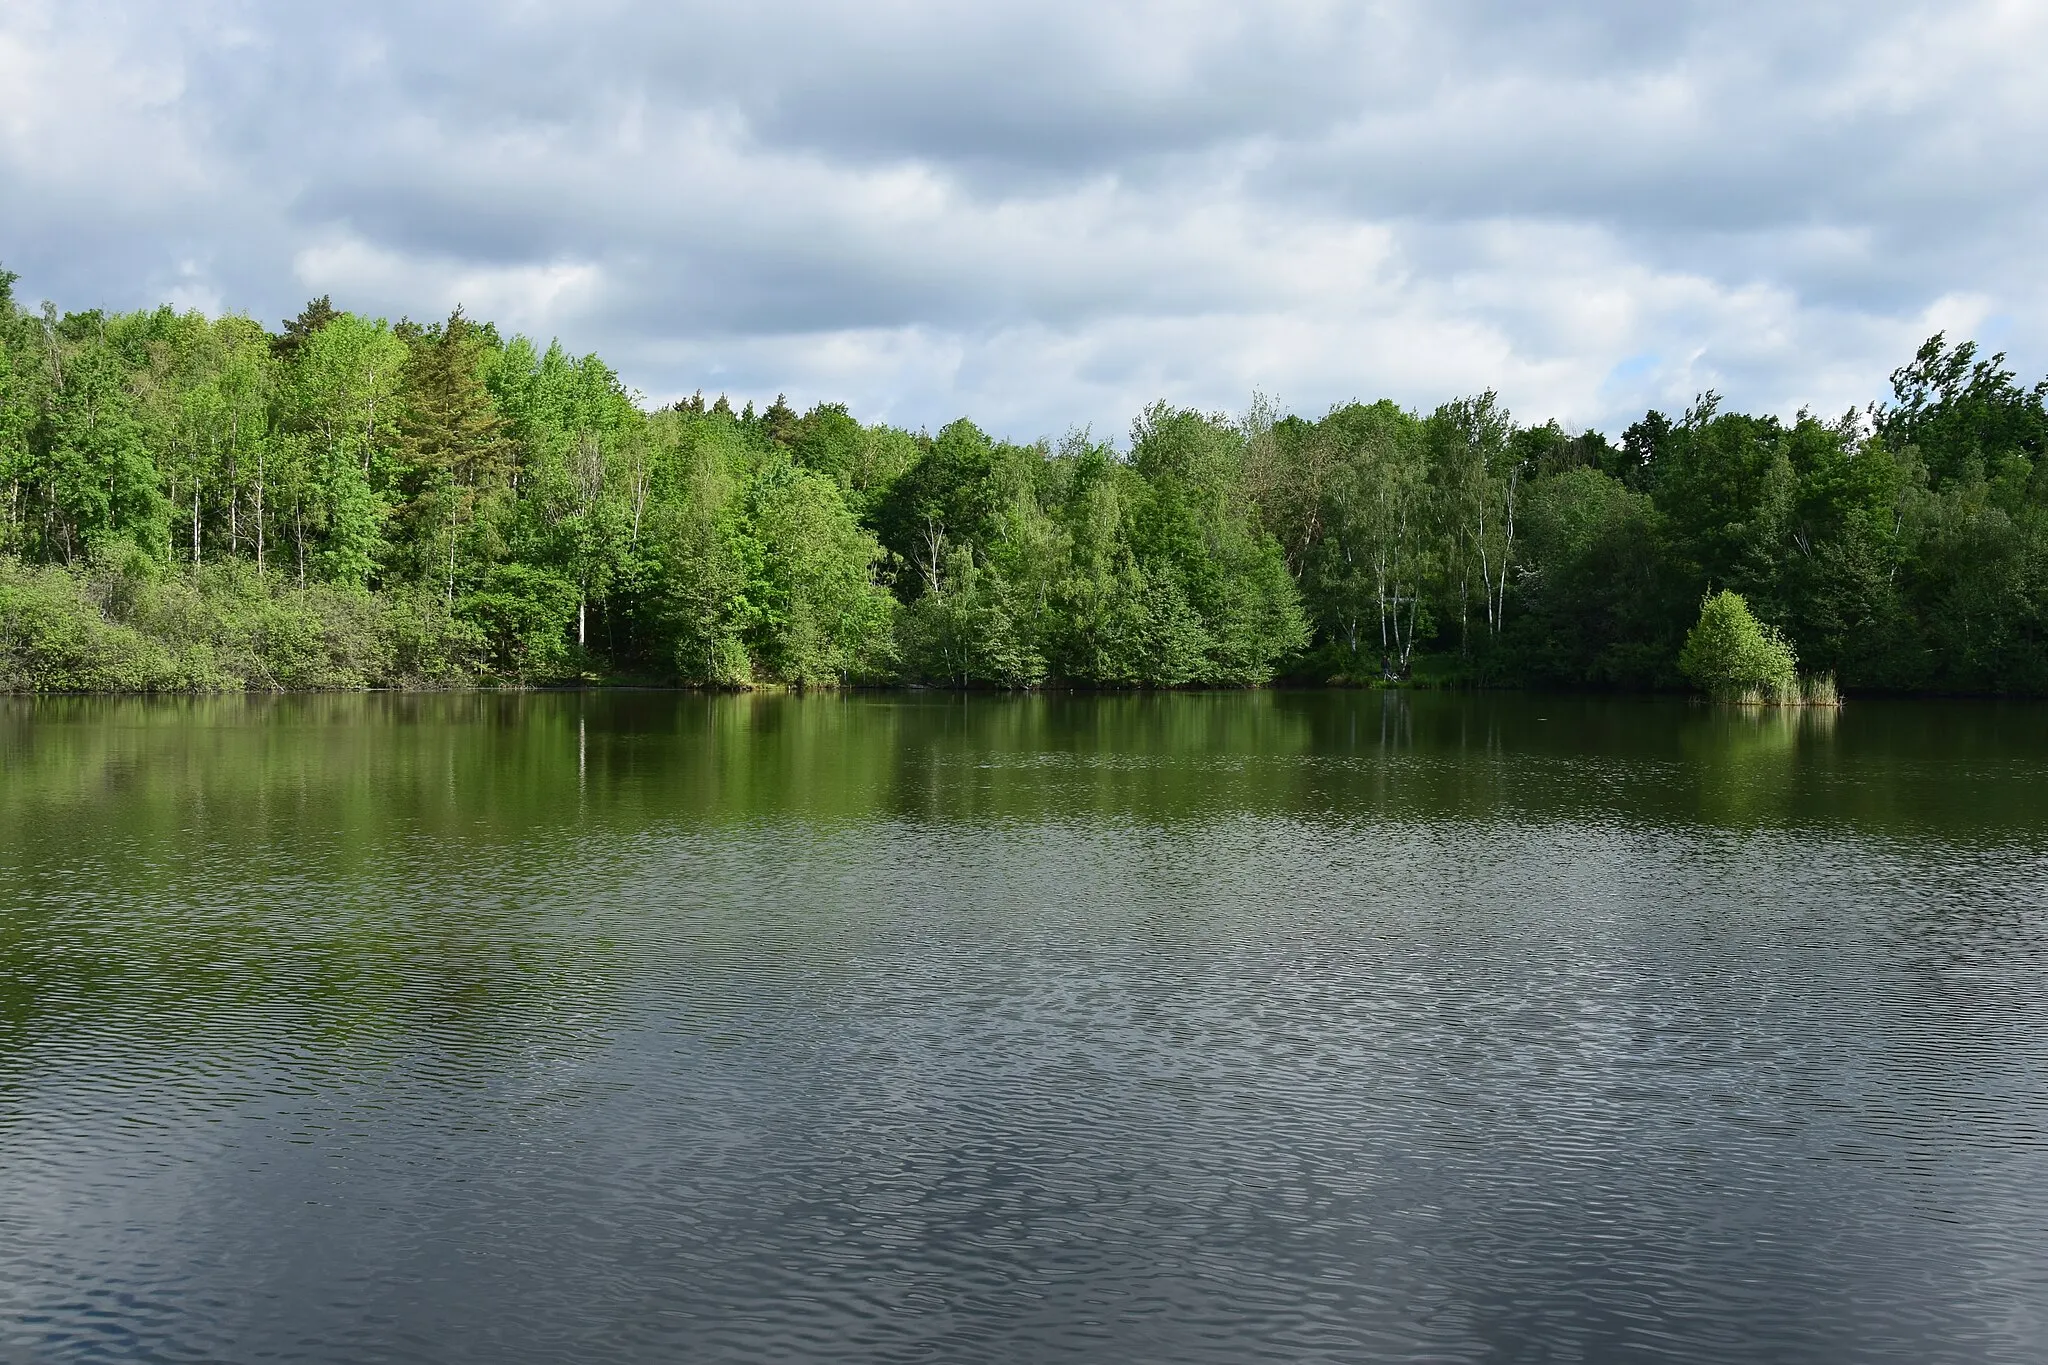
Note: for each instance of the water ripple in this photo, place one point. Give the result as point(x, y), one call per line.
point(1286, 1080)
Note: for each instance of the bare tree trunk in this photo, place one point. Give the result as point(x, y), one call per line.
point(234, 487)
point(1485, 580)
point(935, 546)
point(1408, 650)
point(1507, 553)
point(259, 511)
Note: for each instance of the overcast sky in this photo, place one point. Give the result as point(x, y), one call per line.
point(1049, 214)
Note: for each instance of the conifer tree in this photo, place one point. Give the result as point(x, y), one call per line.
point(452, 441)
point(299, 330)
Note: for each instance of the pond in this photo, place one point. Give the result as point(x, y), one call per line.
point(1293, 1026)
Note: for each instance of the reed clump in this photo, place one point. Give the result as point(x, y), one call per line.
point(1819, 690)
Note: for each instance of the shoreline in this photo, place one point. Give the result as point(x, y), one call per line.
point(1042, 690)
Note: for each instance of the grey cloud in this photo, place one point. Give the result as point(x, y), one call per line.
point(1053, 212)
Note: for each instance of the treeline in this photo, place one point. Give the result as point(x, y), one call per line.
point(194, 503)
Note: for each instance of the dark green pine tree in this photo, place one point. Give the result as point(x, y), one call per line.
point(452, 444)
point(315, 315)
point(779, 422)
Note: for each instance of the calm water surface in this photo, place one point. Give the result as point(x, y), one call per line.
point(911, 1028)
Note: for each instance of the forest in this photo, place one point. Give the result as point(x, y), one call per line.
point(201, 504)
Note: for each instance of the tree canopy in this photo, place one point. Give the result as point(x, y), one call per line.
point(438, 502)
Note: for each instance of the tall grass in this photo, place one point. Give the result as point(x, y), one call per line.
point(1818, 690)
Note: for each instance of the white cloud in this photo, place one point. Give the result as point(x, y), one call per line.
point(1049, 214)
point(524, 297)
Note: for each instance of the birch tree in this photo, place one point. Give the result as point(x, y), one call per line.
point(1478, 481)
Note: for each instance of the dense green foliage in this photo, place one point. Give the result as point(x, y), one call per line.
point(190, 503)
point(1731, 656)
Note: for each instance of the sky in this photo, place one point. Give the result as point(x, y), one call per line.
point(1049, 214)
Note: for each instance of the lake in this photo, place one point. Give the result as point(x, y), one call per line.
point(1292, 1026)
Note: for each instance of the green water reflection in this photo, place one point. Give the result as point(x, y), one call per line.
point(345, 773)
point(448, 857)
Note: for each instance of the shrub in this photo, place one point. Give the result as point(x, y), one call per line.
point(1732, 656)
point(125, 624)
point(54, 638)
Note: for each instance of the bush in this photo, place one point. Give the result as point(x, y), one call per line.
point(1732, 656)
point(128, 624)
point(55, 638)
